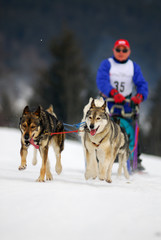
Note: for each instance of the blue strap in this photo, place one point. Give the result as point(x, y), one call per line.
point(78, 125)
point(68, 129)
point(128, 165)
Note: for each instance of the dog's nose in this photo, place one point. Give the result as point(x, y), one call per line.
point(26, 136)
point(91, 126)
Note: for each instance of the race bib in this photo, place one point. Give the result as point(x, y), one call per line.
point(121, 76)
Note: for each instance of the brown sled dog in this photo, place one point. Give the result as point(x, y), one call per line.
point(103, 140)
point(36, 127)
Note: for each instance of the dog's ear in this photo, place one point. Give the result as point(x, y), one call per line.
point(104, 106)
point(37, 112)
point(93, 104)
point(50, 109)
point(90, 100)
point(26, 110)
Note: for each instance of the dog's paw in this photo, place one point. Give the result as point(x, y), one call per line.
point(87, 175)
point(22, 167)
point(102, 177)
point(94, 176)
point(34, 161)
point(40, 179)
point(49, 177)
point(127, 175)
point(109, 180)
point(58, 169)
point(90, 174)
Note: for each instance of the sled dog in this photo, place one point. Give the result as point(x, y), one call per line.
point(36, 127)
point(34, 160)
point(103, 140)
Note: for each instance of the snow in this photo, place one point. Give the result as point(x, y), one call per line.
point(69, 207)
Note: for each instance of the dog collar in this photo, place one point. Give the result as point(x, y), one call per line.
point(97, 145)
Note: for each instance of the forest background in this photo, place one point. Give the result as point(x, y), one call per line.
point(50, 52)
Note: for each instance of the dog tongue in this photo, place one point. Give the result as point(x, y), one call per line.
point(32, 142)
point(93, 132)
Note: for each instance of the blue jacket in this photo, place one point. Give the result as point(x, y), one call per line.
point(104, 84)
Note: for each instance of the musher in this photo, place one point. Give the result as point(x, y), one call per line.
point(117, 76)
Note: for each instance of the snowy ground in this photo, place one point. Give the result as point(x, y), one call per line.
point(69, 207)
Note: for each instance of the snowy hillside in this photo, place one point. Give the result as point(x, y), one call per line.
point(71, 208)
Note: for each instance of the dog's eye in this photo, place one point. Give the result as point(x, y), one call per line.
point(32, 127)
point(90, 117)
point(98, 118)
point(24, 125)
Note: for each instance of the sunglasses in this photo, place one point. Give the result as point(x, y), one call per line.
point(125, 50)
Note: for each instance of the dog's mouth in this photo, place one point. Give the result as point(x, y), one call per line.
point(93, 131)
point(27, 143)
point(32, 142)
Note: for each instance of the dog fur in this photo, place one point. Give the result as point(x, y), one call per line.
point(37, 126)
point(103, 140)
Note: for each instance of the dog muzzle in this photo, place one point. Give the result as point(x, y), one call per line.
point(27, 143)
point(93, 131)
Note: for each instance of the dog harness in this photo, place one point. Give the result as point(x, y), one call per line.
point(97, 145)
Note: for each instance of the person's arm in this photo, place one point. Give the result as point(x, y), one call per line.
point(102, 79)
point(140, 83)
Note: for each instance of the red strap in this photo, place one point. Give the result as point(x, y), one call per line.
point(37, 146)
point(63, 132)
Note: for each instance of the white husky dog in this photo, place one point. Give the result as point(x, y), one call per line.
point(103, 140)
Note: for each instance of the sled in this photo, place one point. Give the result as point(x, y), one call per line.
point(129, 121)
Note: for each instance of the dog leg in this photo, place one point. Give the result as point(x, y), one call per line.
point(126, 173)
point(58, 166)
point(49, 176)
point(34, 160)
point(87, 172)
point(111, 158)
point(120, 165)
point(23, 153)
point(105, 159)
point(91, 166)
point(44, 155)
point(109, 171)
point(102, 171)
point(94, 167)
point(123, 164)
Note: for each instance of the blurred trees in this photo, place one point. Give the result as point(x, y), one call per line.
point(67, 83)
point(153, 139)
point(7, 115)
